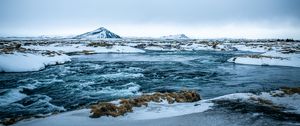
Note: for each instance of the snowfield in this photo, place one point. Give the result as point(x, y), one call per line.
point(24, 62)
point(72, 48)
point(272, 58)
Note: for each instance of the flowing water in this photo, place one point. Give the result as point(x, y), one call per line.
point(88, 79)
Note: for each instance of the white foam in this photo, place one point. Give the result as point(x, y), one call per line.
point(137, 57)
point(11, 96)
point(123, 90)
point(122, 75)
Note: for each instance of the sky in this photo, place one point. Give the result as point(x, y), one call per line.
point(153, 18)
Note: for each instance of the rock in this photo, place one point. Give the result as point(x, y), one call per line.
point(290, 90)
point(140, 46)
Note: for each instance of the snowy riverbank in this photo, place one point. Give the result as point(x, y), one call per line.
point(24, 62)
point(272, 58)
point(283, 102)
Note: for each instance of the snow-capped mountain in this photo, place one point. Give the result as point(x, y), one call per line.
point(98, 34)
point(179, 36)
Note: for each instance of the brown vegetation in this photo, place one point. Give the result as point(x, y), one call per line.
point(290, 90)
point(10, 48)
point(126, 105)
point(100, 44)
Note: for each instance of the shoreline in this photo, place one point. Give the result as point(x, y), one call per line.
point(281, 103)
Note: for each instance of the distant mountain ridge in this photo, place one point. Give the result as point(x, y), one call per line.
point(178, 36)
point(98, 34)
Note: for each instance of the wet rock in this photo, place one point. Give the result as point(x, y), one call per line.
point(214, 44)
point(88, 52)
point(10, 121)
point(140, 46)
point(291, 90)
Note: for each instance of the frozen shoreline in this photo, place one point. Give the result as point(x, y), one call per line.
point(25, 62)
point(271, 58)
point(157, 113)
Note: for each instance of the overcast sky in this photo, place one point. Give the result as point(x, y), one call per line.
point(153, 18)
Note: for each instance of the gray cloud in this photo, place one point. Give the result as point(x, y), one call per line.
point(37, 14)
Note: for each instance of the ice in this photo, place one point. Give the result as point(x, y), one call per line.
point(71, 48)
point(23, 62)
point(163, 110)
point(292, 59)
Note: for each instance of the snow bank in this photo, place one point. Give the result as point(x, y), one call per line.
point(290, 103)
point(251, 48)
point(269, 58)
point(192, 47)
point(64, 48)
point(164, 109)
point(23, 62)
point(153, 111)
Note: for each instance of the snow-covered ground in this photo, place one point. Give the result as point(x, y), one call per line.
point(289, 103)
point(23, 62)
point(272, 58)
point(178, 36)
point(153, 111)
point(72, 48)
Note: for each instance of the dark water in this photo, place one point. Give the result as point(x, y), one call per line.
point(103, 77)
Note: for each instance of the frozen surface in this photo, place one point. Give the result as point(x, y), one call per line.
point(23, 62)
point(153, 111)
point(272, 58)
point(69, 48)
point(163, 111)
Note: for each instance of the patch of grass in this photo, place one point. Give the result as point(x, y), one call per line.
point(126, 105)
point(291, 90)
